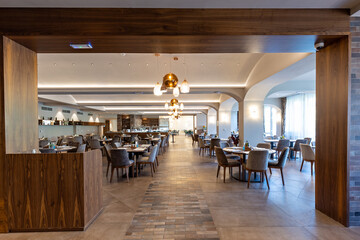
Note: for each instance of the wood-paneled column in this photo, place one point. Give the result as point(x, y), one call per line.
point(332, 130)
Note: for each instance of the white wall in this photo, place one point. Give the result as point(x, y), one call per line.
point(181, 124)
point(228, 117)
point(212, 118)
point(253, 122)
point(200, 121)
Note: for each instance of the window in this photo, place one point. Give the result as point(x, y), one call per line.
point(271, 117)
point(300, 116)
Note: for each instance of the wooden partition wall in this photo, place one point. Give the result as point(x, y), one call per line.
point(49, 192)
point(332, 134)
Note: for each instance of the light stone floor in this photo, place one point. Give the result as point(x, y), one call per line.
point(284, 212)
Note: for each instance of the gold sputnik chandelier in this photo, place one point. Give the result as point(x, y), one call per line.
point(175, 108)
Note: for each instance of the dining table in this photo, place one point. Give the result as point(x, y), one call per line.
point(243, 155)
point(221, 139)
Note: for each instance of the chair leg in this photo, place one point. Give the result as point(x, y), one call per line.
point(312, 167)
point(224, 173)
point(137, 165)
point(239, 172)
point(127, 173)
point(133, 166)
point(117, 172)
point(154, 167)
point(217, 175)
point(107, 170)
point(270, 170)
point(282, 176)
point(112, 173)
point(151, 170)
point(302, 163)
point(267, 182)
point(249, 176)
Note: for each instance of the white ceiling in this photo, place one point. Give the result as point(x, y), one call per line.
point(183, 3)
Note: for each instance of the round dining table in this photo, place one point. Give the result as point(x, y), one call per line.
point(243, 154)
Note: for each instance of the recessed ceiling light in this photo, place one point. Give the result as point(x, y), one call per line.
point(147, 64)
point(81, 45)
point(92, 64)
point(73, 64)
point(54, 64)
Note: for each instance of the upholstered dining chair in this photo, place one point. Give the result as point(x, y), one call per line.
point(229, 155)
point(214, 142)
point(224, 162)
point(47, 150)
point(264, 145)
point(78, 139)
point(308, 155)
point(283, 143)
point(280, 163)
point(308, 140)
point(94, 144)
point(149, 160)
point(115, 144)
point(296, 147)
point(120, 159)
point(81, 148)
point(43, 143)
point(257, 162)
point(108, 148)
point(203, 146)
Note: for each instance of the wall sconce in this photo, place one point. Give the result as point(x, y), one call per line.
point(254, 112)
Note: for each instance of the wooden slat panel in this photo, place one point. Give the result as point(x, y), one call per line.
point(47, 193)
point(332, 116)
point(20, 76)
point(3, 179)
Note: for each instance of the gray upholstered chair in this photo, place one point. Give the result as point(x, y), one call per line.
point(144, 141)
point(224, 162)
point(203, 146)
point(264, 145)
point(257, 162)
point(73, 144)
point(280, 163)
point(47, 150)
point(78, 139)
point(95, 144)
point(283, 143)
point(97, 137)
point(81, 148)
point(43, 143)
point(120, 159)
point(215, 142)
point(115, 144)
point(308, 155)
point(108, 148)
point(196, 138)
point(149, 160)
point(59, 141)
point(296, 147)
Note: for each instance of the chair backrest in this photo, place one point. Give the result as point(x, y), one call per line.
point(201, 143)
point(78, 139)
point(59, 141)
point(143, 141)
point(224, 144)
point(154, 152)
point(308, 140)
point(283, 143)
point(116, 138)
point(94, 144)
point(97, 137)
point(298, 142)
point(119, 157)
point(215, 142)
point(47, 150)
point(81, 148)
point(163, 142)
point(74, 144)
point(43, 143)
point(115, 144)
point(231, 142)
point(283, 156)
point(192, 136)
point(257, 160)
point(264, 145)
point(196, 137)
point(108, 151)
point(307, 152)
point(221, 157)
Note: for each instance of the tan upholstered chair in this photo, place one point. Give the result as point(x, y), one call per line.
point(308, 140)
point(283, 143)
point(257, 162)
point(225, 163)
point(280, 163)
point(264, 145)
point(308, 156)
point(203, 147)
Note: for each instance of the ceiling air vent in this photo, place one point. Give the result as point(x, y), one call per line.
point(81, 45)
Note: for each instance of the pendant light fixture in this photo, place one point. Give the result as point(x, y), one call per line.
point(157, 89)
point(176, 92)
point(185, 88)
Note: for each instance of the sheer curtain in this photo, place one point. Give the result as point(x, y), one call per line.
point(300, 116)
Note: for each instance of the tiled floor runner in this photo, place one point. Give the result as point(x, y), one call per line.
point(173, 208)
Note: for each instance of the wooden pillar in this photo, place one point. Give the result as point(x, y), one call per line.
point(18, 110)
point(332, 135)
